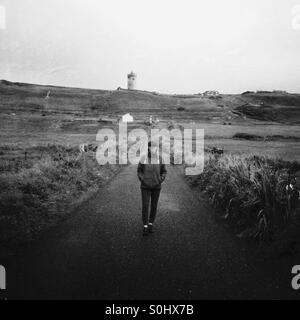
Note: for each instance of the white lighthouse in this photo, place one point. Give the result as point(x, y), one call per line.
point(131, 81)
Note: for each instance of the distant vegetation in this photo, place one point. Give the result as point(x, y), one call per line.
point(255, 137)
point(290, 113)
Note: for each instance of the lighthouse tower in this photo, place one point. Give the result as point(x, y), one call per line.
point(131, 81)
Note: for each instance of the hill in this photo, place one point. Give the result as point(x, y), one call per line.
point(272, 106)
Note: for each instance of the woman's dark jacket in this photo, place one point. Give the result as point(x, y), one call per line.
point(151, 175)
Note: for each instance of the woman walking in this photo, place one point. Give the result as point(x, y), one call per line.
point(151, 173)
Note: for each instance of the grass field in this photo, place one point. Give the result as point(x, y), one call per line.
point(283, 146)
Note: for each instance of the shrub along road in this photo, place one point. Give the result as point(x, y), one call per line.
point(100, 253)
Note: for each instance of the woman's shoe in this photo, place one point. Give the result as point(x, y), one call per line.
point(145, 231)
point(151, 228)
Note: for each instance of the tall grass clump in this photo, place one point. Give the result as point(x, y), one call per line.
point(37, 193)
point(258, 196)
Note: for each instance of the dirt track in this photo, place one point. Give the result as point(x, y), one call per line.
point(100, 253)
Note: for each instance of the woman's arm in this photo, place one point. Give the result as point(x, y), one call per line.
point(140, 171)
point(163, 171)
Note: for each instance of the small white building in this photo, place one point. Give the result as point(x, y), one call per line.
point(211, 93)
point(127, 118)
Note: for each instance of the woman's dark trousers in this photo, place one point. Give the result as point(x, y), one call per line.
point(147, 195)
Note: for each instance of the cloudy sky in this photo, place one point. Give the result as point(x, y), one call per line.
point(174, 46)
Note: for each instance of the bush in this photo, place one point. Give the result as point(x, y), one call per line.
point(257, 196)
point(247, 136)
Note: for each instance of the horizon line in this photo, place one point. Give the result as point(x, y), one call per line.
point(141, 90)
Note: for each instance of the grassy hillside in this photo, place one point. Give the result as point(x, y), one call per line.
point(19, 97)
point(271, 106)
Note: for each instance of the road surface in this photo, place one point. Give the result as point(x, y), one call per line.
point(100, 253)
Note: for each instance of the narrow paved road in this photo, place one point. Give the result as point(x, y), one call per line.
point(100, 253)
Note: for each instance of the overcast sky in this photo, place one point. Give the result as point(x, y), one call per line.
point(174, 46)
